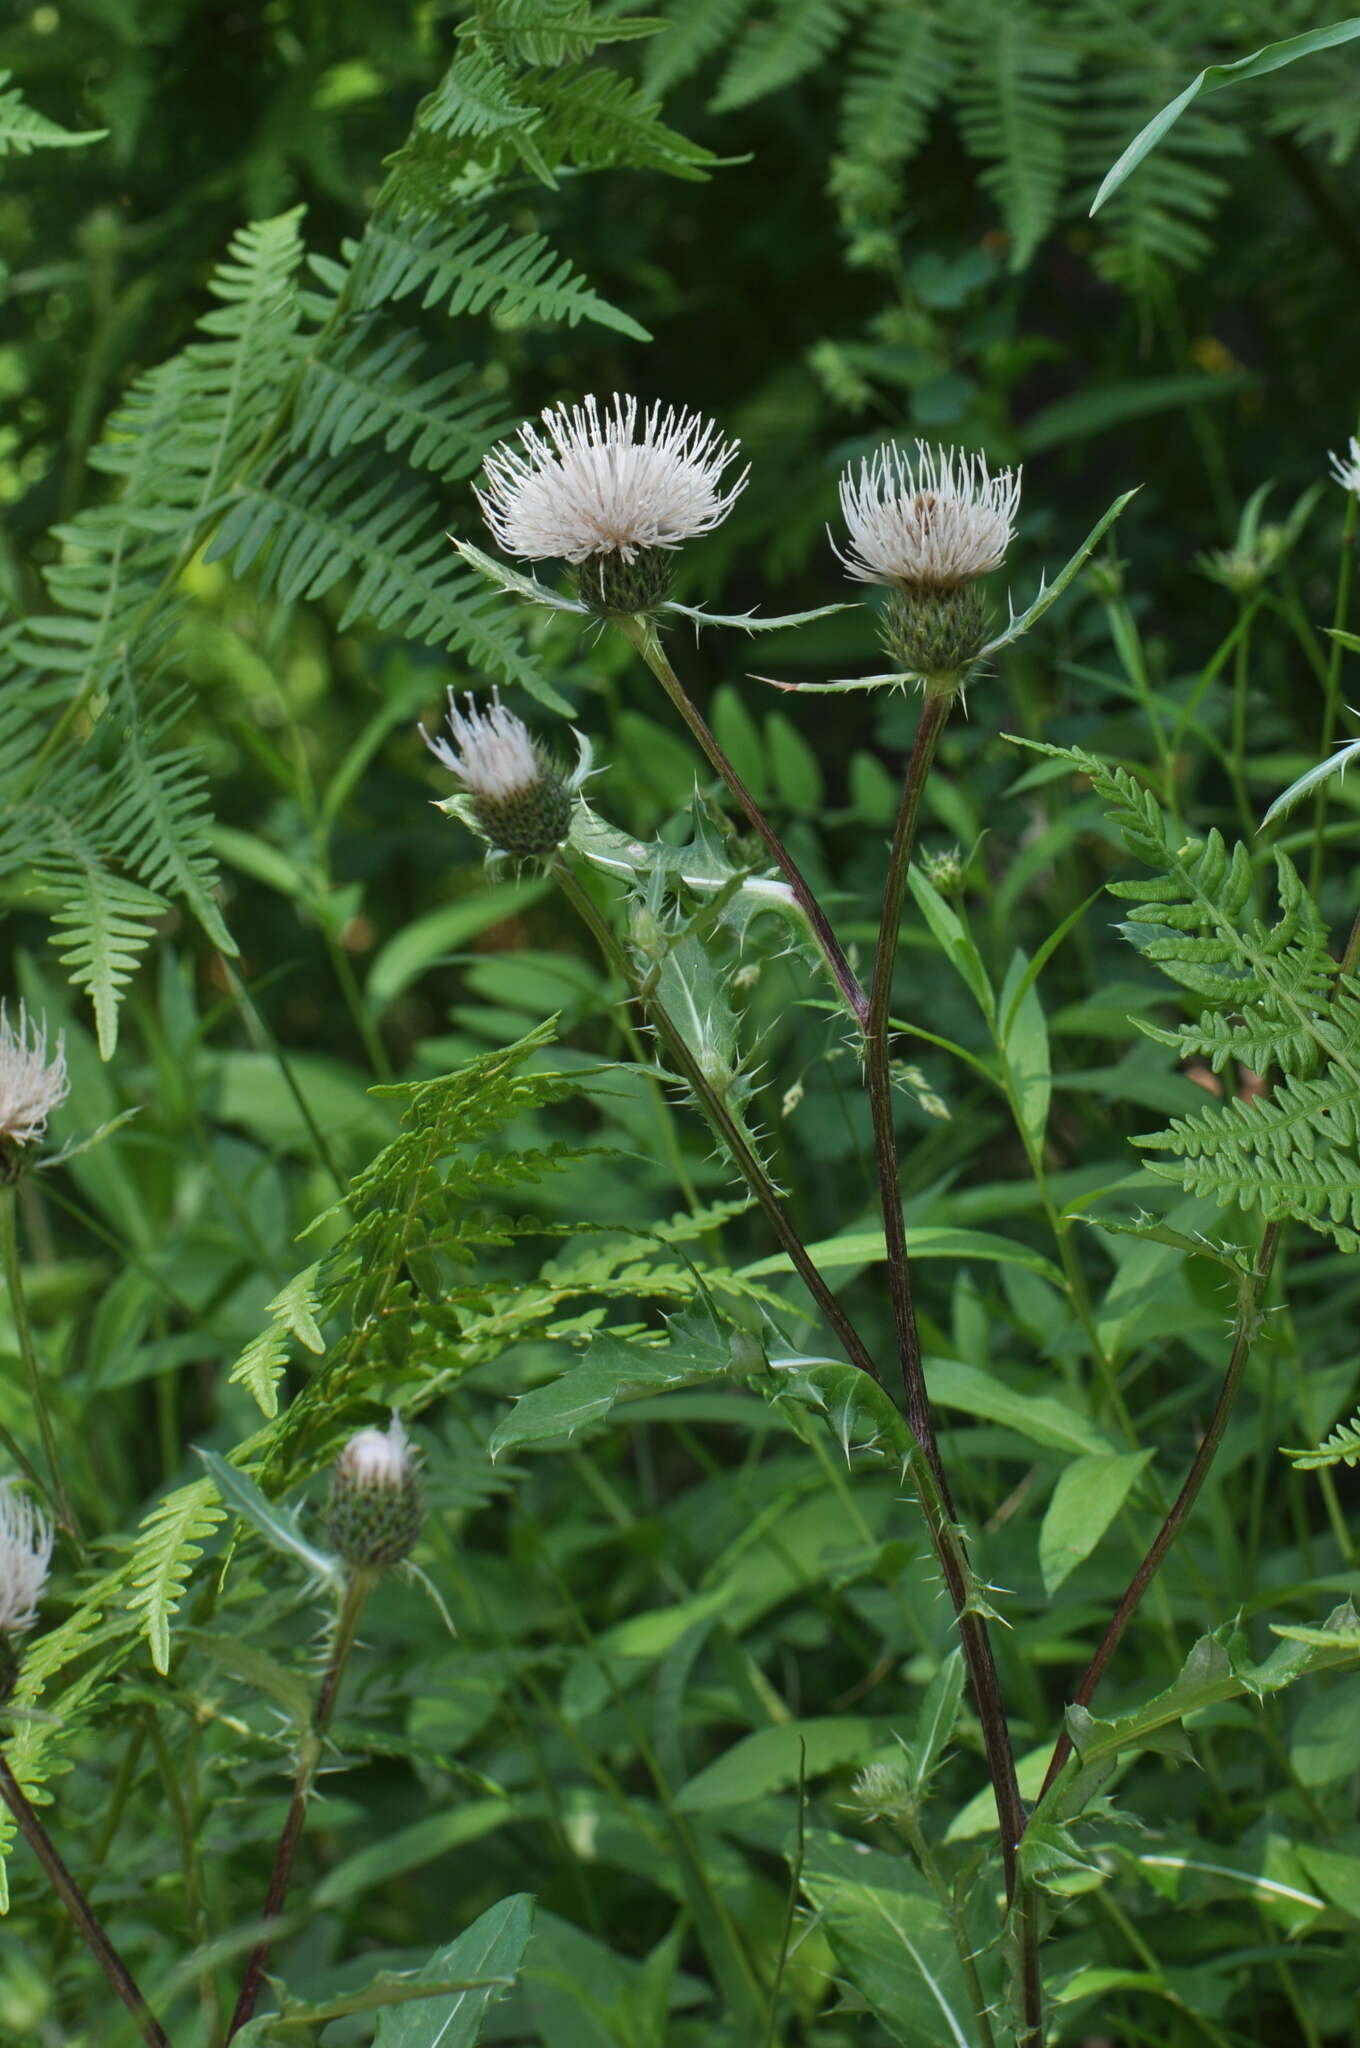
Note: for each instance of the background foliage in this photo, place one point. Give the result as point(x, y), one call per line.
point(230, 458)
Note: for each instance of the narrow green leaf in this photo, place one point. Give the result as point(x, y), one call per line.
point(492, 1947)
point(1086, 1499)
point(279, 1526)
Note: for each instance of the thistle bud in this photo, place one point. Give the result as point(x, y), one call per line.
point(944, 871)
point(374, 1512)
point(519, 796)
point(883, 1791)
point(25, 1560)
point(31, 1084)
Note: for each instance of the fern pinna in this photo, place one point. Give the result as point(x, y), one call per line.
point(1270, 998)
point(309, 436)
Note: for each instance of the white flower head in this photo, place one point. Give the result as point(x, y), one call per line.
point(31, 1085)
point(378, 1457)
point(25, 1559)
point(933, 521)
point(1347, 473)
point(497, 756)
point(604, 482)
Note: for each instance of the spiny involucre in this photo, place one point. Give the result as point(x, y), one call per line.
point(519, 796)
point(374, 1511)
point(31, 1084)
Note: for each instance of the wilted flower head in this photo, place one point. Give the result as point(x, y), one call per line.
point(1347, 472)
point(928, 522)
point(520, 798)
point(31, 1085)
point(25, 1559)
point(374, 1511)
point(605, 484)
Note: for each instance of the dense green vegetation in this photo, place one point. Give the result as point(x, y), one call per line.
point(376, 1126)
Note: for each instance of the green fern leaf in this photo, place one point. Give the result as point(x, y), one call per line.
point(169, 1544)
point(103, 923)
point(23, 129)
point(798, 35)
point(898, 73)
point(158, 820)
point(1342, 1447)
point(694, 30)
point(362, 391)
point(1015, 96)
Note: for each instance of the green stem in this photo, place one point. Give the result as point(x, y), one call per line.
point(935, 1501)
point(1332, 683)
point(267, 1042)
point(641, 634)
point(79, 1907)
point(955, 1919)
point(1238, 750)
point(14, 1283)
point(1253, 1288)
point(357, 1589)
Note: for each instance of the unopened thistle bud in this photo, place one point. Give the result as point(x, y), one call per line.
point(928, 526)
point(611, 494)
point(31, 1084)
point(374, 1511)
point(25, 1560)
point(883, 1791)
point(944, 871)
point(519, 796)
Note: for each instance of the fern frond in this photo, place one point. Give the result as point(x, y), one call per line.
point(1342, 1447)
point(158, 821)
point(23, 129)
point(1293, 1153)
point(798, 35)
point(472, 266)
point(169, 1545)
point(897, 75)
point(600, 118)
point(1014, 99)
point(694, 29)
point(102, 924)
point(552, 32)
point(261, 1365)
point(363, 390)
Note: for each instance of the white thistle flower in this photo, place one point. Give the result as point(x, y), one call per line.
point(31, 1085)
point(497, 755)
point(598, 486)
point(1347, 474)
point(25, 1559)
point(378, 1457)
point(930, 522)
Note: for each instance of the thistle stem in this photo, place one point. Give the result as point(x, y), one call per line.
point(14, 1284)
point(1253, 1290)
point(357, 1588)
point(641, 634)
point(973, 1636)
point(79, 1907)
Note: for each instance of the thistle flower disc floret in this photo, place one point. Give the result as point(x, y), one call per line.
point(519, 796)
point(932, 521)
point(31, 1084)
point(25, 1560)
point(604, 482)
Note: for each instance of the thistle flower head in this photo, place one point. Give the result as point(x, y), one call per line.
point(25, 1559)
point(932, 521)
point(31, 1085)
point(883, 1791)
point(374, 1510)
point(519, 796)
point(1346, 469)
point(605, 482)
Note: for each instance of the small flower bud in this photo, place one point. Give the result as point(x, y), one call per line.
point(31, 1085)
point(944, 871)
point(25, 1560)
point(374, 1511)
point(519, 796)
point(883, 1792)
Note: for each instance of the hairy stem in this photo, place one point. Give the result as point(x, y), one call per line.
point(357, 1589)
point(1244, 1334)
point(14, 1285)
point(641, 634)
point(79, 1907)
